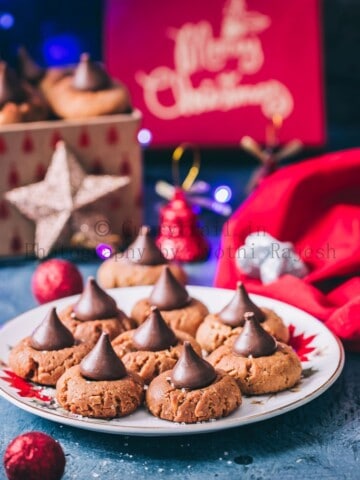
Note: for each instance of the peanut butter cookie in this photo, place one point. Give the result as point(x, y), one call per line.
point(257, 361)
point(179, 310)
point(221, 328)
point(193, 391)
point(100, 386)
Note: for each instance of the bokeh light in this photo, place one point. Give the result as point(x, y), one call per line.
point(144, 137)
point(62, 49)
point(6, 21)
point(223, 194)
point(104, 251)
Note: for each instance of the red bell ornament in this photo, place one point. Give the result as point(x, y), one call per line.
point(180, 236)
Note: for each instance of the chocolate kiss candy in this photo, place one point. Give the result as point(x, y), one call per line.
point(168, 293)
point(94, 303)
point(191, 371)
point(90, 76)
point(102, 363)
point(254, 340)
point(233, 313)
point(51, 334)
point(154, 334)
point(144, 250)
point(28, 68)
point(10, 86)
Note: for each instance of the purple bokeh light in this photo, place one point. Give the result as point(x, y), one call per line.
point(104, 251)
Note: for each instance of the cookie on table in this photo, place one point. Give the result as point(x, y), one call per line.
point(140, 264)
point(19, 101)
point(152, 348)
point(100, 386)
point(86, 91)
point(193, 391)
point(226, 325)
point(257, 361)
point(95, 312)
point(47, 353)
point(179, 310)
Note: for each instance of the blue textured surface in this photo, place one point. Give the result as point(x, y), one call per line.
point(320, 440)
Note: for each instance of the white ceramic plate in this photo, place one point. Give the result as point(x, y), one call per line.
point(321, 354)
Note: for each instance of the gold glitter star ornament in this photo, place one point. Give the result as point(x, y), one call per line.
point(66, 189)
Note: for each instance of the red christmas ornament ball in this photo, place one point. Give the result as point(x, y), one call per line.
point(34, 456)
point(55, 279)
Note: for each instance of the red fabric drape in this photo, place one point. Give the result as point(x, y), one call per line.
point(316, 205)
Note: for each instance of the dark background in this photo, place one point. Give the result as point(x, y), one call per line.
point(56, 33)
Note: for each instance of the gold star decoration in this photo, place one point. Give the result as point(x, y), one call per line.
point(53, 203)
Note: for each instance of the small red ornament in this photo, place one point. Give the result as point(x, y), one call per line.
point(34, 456)
point(180, 236)
point(55, 279)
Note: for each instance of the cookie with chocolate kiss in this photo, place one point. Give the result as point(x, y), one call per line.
point(140, 264)
point(223, 327)
point(193, 391)
point(154, 334)
point(192, 371)
point(84, 91)
point(11, 89)
point(258, 362)
point(179, 310)
point(28, 68)
point(153, 347)
point(95, 312)
point(90, 76)
point(102, 362)
point(254, 341)
point(100, 386)
point(19, 101)
point(45, 355)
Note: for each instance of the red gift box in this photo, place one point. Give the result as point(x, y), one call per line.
point(211, 72)
point(103, 145)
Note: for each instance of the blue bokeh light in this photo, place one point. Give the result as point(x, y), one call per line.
point(62, 49)
point(223, 194)
point(6, 21)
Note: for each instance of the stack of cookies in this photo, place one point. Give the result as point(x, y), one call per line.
point(186, 364)
point(33, 93)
